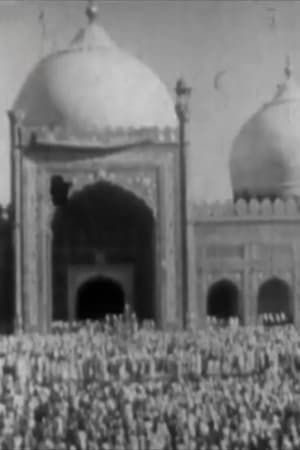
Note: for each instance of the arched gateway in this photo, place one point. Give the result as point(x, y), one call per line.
point(104, 226)
point(96, 183)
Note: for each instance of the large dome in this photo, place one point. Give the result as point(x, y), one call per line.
point(265, 158)
point(94, 85)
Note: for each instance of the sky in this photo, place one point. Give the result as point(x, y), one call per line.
point(246, 42)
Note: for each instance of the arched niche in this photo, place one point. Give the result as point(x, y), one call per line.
point(223, 299)
point(99, 297)
point(275, 297)
point(107, 225)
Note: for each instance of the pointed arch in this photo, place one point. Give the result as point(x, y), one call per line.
point(98, 297)
point(104, 220)
point(223, 299)
point(275, 297)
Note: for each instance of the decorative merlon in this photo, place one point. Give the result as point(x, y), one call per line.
point(247, 210)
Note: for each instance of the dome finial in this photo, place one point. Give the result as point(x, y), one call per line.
point(91, 11)
point(288, 67)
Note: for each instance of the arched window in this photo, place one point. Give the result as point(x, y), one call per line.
point(274, 301)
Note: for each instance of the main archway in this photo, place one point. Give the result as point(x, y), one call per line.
point(104, 223)
point(99, 297)
point(223, 300)
point(274, 297)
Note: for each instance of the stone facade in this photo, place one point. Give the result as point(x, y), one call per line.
point(246, 243)
point(143, 163)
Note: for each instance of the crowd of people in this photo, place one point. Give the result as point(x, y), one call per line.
point(117, 386)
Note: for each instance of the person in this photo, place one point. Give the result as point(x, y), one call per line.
point(126, 385)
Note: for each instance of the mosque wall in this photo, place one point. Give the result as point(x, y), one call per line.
point(247, 249)
point(148, 171)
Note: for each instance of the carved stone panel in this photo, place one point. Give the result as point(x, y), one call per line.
point(215, 277)
point(168, 240)
point(30, 262)
point(46, 210)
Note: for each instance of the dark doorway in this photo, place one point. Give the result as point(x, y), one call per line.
point(222, 301)
point(105, 219)
point(98, 298)
point(274, 298)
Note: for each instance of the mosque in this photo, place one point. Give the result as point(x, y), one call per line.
point(99, 215)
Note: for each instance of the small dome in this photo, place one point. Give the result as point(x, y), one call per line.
point(265, 158)
point(94, 85)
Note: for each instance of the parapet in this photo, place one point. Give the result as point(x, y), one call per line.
point(252, 210)
point(108, 137)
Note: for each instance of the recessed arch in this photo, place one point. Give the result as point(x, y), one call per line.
point(105, 221)
point(126, 185)
point(223, 299)
point(275, 298)
point(98, 297)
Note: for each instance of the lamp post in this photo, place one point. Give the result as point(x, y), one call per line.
point(183, 92)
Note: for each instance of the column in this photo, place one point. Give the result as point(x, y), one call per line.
point(17, 236)
point(48, 209)
point(31, 225)
point(171, 296)
point(246, 294)
point(296, 287)
point(192, 310)
point(49, 279)
point(45, 306)
point(16, 194)
point(202, 288)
